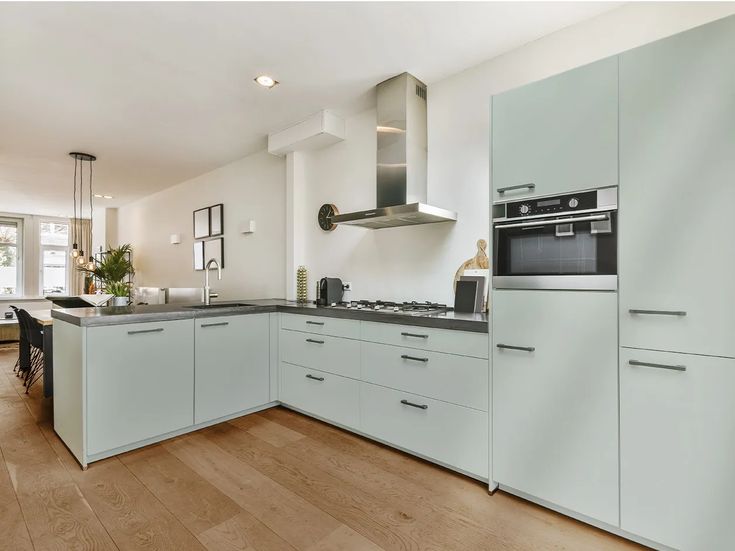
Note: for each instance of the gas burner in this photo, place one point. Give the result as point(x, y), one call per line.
point(412, 308)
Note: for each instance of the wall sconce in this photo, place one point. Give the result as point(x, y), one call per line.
point(175, 238)
point(247, 227)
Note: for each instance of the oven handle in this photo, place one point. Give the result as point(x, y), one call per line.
point(554, 222)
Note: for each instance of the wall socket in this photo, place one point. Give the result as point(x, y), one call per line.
point(347, 286)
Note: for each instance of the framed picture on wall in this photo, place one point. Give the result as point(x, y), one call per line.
point(216, 220)
point(215, 248)
point(199, 255)
point(201, 223)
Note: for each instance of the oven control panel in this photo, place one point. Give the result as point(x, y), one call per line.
point(560, 204)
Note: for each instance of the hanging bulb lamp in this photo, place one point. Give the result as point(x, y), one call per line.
point(76, 226)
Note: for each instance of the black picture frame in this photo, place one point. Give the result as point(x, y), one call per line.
point(201, 223)
point(198, 256)
point(215, 248)
point(216, 220)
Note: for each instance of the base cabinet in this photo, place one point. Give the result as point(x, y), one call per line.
point(232, 365)
point(677, 444)
point(140, 382)
point(555, 403)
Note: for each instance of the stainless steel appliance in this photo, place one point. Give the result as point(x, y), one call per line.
point(566, 241)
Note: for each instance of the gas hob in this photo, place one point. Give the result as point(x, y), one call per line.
point(390, 307)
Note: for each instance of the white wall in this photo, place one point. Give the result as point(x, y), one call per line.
point(251, 188)
point(420, 262)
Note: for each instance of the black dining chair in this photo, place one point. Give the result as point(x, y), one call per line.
point(33, 371)
point(21, 339)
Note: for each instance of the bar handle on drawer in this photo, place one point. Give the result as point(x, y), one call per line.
point(141, 331)
point(314, 377)
point(414, 358)
point(659, 366)
point(218, 324)
point(419, 406)
point(530, 186)
point(416, 335)
point(315, 322)
point(658, 312)
point(511, 347)
point(314, 341)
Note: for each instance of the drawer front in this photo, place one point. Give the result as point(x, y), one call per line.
point(676, 448)
point(328, 396)
point(458, 379)
point(427, 338)
point(140, 382)
point(331, 354)
point(450, 434)
point(322, 325)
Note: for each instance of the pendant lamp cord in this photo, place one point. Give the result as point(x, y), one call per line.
point(91, 212)
point(74, 220)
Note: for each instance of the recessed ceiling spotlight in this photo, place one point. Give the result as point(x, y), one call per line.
point(266, 81)
point(103, 196)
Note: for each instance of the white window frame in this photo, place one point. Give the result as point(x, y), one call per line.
point(42, 248)
point(19, 250)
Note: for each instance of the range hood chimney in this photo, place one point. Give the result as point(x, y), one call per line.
point(401, 170)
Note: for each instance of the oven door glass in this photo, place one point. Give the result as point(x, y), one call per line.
point(581, 248)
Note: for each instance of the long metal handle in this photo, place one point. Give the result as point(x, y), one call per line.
point(310, 376)
point(315, 322)
point(659, 366)
point(554, 221)
point(658, 312)
point(315, 341)
point(416, 335)
point(511, 347)
point(218, 324)
point(414, 358)
point(530, 186)
point(420, 406)
point(141, 331)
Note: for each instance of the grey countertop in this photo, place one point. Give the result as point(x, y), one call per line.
point(87, 317)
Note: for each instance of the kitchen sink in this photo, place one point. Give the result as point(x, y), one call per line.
point(219, 305)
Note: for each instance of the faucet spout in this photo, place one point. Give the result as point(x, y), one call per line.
point(207, 290)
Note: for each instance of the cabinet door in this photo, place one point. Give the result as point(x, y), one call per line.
point(677, 160)
point(559, 134)
point(140, 382)
point(555, 408)
point(677, 444)
point(232, 365)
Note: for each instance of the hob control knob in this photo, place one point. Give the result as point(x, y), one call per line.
point(525, 209)
point(573, 202)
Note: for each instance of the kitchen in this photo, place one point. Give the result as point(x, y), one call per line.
point(595, 386)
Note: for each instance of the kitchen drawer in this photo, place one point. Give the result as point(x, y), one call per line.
point(458, 379)
point(450, 434)
point(331, 397)
point(427, 338)
point(676, 449)
point(322, 325)
point(330, 354)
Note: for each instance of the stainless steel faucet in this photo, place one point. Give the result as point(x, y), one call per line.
point(207, 293)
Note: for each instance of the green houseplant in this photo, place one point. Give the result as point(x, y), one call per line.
point(113, 271)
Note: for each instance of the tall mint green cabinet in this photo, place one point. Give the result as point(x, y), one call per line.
point(556, 135)
point(141, 383)
point(677, 266)
point(232, 365)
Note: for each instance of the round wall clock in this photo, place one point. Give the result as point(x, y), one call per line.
point(326, 211)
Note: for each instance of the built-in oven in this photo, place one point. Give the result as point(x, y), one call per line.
point(567, 241)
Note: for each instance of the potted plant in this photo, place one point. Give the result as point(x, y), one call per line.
point(113, 271)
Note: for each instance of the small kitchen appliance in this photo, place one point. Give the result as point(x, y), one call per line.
point(330, 291)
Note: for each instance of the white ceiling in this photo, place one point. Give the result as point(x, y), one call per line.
point(162, 92)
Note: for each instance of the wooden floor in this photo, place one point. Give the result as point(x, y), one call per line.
point(274, 481)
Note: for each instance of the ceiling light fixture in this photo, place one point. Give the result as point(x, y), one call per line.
point(266, 81)
point(77, 229)
point(103, 196)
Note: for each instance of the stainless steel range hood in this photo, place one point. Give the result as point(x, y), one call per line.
point(401, 168)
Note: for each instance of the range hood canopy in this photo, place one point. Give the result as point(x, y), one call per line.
point(401, 156)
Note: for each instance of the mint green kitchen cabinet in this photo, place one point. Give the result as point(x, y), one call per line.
point(556, 135)
point(232, 365)
point(677, 444)
point(139, 382)
point(555, 398)
point(677, 191)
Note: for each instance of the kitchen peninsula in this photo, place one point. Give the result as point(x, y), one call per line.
point(131, 376)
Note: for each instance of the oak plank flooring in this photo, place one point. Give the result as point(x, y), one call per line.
point(271, 481)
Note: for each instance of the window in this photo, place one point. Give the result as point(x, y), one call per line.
point(10, 242)
point(55, 263)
